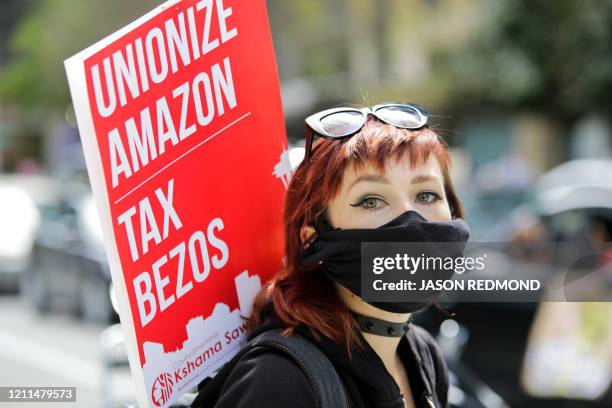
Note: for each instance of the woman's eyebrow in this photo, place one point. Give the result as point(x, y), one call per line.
point(379, 178)
point(423, 178)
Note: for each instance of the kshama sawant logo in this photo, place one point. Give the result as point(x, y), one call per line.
point(165, 383)
point(161, 389)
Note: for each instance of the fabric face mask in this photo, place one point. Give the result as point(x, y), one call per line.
point(339, 251)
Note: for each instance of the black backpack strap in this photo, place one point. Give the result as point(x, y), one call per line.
point(209, 389)
point(314, 363)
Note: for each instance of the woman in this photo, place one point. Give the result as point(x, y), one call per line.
point(374, 174)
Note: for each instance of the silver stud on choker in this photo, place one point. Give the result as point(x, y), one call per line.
point(381, 327)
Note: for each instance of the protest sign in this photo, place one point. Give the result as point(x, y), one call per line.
point(182, 128)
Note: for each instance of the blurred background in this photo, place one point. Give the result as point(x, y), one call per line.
point(520, 89)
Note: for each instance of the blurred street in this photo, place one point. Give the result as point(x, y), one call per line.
point(54, 351)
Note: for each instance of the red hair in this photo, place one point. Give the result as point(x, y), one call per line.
point(306, 296)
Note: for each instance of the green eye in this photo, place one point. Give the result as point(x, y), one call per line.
point(428, 197)
point(369, 203)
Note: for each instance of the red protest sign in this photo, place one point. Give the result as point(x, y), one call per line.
point(183, 133)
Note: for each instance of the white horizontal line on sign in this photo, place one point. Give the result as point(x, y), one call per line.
point(181, 156)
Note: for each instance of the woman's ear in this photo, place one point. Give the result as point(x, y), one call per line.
point(307, 235)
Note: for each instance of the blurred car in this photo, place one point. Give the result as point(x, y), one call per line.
point(566, 204)
point(22, 200)
point(69, 269)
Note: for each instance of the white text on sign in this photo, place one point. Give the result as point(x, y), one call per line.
point(150, 286)
point(153, 58)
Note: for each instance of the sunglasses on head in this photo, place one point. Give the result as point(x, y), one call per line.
point(340, 123)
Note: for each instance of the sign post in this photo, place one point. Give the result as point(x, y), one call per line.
point(182, 128)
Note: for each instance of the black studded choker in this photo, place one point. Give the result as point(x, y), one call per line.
point(381, 327)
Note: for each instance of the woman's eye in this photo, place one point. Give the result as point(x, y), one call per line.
point(369, 203)
point(428, 197)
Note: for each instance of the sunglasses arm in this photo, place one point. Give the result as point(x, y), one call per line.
point(309, 140)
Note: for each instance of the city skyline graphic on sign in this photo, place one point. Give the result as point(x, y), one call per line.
point(211, 342)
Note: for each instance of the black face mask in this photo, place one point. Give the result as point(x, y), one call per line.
point(339, 250)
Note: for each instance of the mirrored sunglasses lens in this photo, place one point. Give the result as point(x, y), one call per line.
point(402, 116)
point(342, 123)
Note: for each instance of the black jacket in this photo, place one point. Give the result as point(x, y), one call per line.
point(265, 378)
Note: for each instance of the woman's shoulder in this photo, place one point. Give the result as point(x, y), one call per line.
point(265, 377)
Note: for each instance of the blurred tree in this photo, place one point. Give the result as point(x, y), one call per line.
point(311, 39)
point(554, 57)
point(551, 56)
point(33, 77)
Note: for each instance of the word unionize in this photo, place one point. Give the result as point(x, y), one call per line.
point(152, 59)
